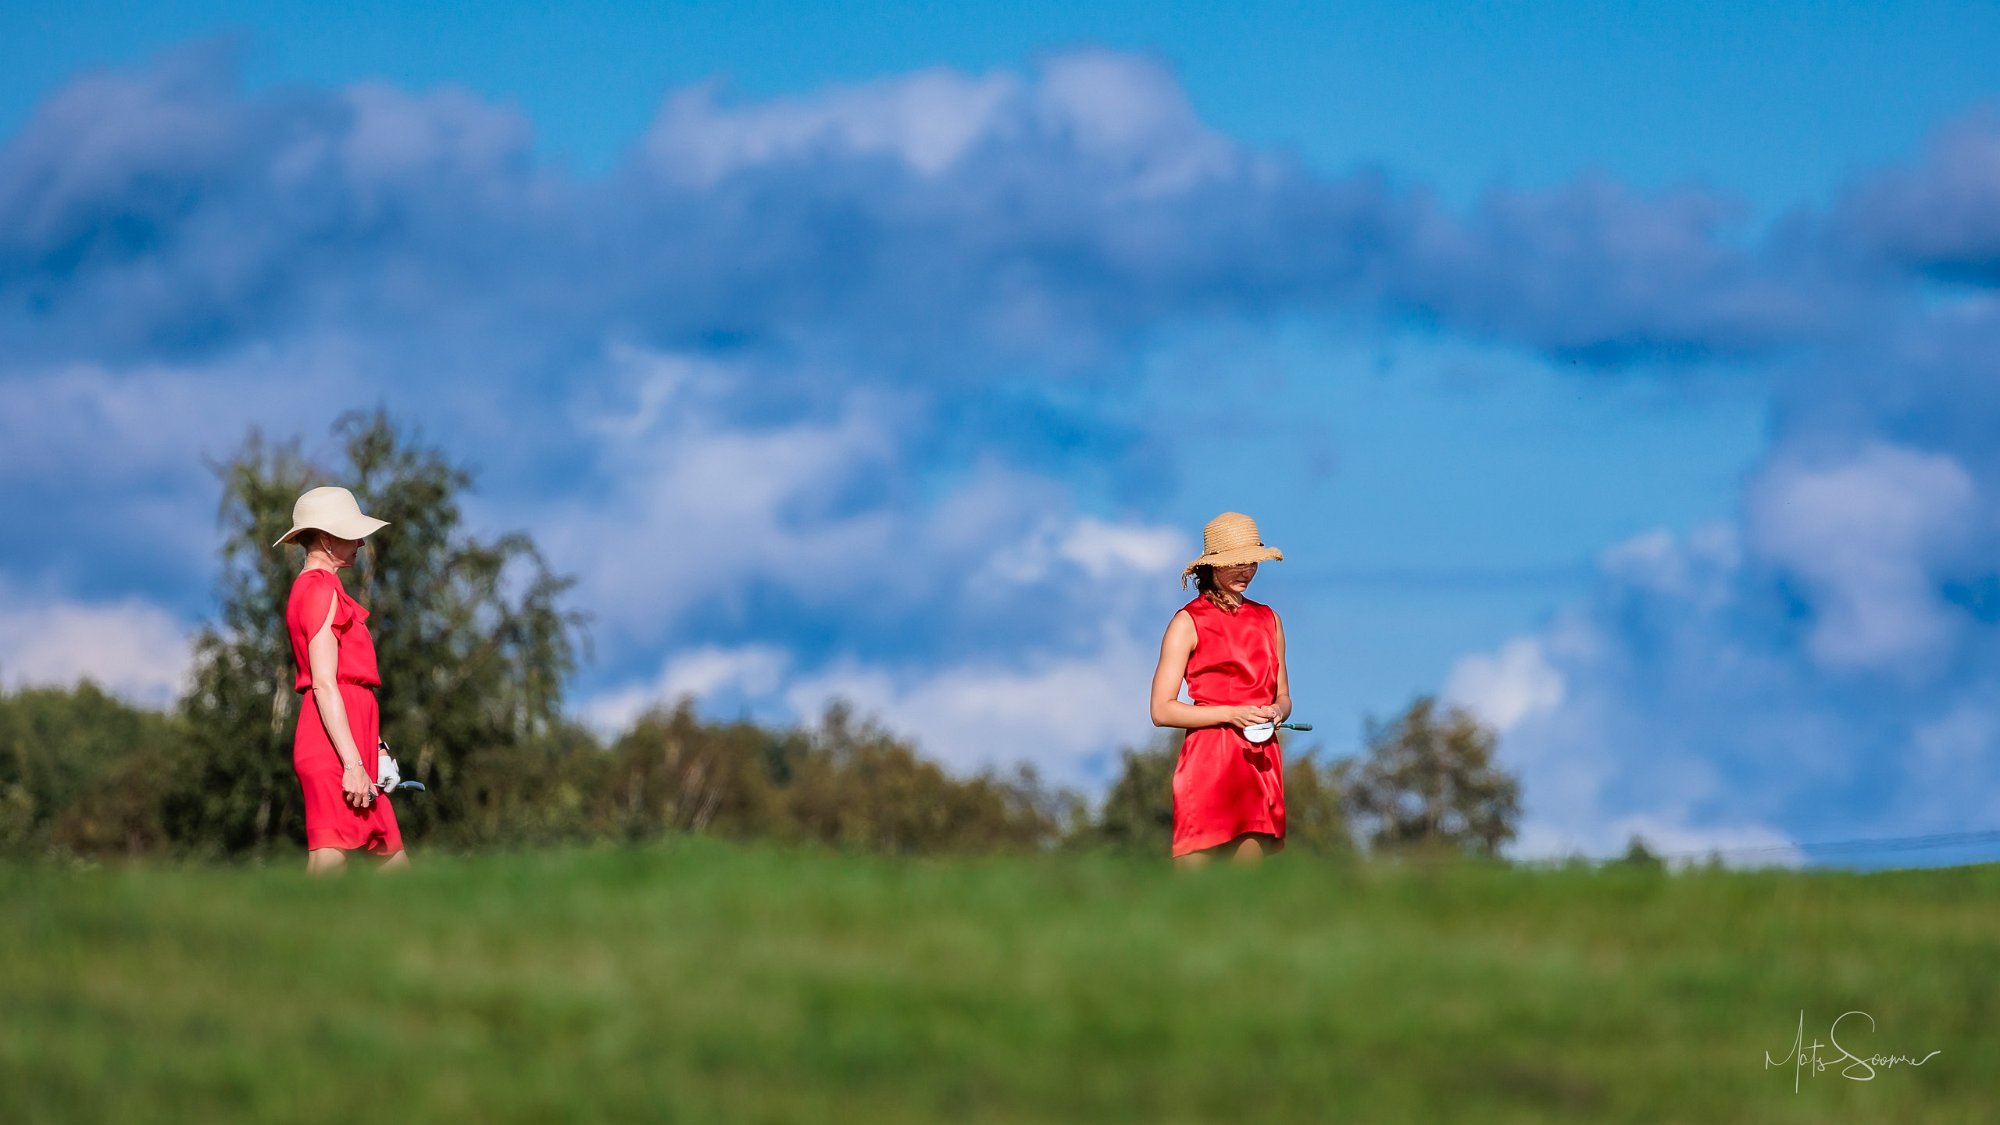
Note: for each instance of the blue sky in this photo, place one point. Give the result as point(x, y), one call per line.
point(1621, 375)
point(1773, 102)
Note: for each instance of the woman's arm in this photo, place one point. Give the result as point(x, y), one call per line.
point(323, 659)
point(1167, 708)
point(1284, 700)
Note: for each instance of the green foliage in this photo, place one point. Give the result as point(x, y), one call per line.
point(850, 785)
point(1316, 807)
point(846, 784)
point(1429, 782)
point(237, 792)
point(1138, 812)
point(82, 772)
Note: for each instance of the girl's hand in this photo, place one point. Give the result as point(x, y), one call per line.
point(1240, 717)
point(355, 784)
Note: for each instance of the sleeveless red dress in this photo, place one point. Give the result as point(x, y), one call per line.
point(1224, 784)
point(330, 821)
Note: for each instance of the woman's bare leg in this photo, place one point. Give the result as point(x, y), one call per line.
point(399, 861)
point(1248, 850)
point(326, 861)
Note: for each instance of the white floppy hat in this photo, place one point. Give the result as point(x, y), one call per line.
point(332, 509)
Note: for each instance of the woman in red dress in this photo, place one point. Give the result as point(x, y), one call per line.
point(335, 750)
point(1229, 792)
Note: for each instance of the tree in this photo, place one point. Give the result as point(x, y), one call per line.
point(1429, 781)
point(1138, 812)
point(237, 792)
point(1639, 856)
point(81, 772)
point(1316, 819)
point(850, 784)
point(474, 646)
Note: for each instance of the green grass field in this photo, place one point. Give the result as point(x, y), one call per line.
point(706, 983)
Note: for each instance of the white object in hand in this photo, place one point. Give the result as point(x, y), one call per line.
point(1260, 732)
point(388, 774)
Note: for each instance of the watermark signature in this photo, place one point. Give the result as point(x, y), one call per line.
point(1806, 1057)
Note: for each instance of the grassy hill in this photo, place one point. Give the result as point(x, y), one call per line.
point(705, 983)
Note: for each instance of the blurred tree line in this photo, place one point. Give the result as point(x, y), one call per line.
point(476, 647)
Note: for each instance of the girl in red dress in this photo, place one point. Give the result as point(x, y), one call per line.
point(335, 750)
point(1229, 792)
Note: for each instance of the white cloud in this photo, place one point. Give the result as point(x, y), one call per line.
point(1049, 709)
point(1696, 568)
point(1864, 535)
point(399, 135)
point(1695, 708)
point(90, 421)
point(1120, 106)
point(1953, 754)
point(1966, 735)
point(700, 513)
point(695, 509)
point(927, 119)
point(1052, 709)
point(701, 674)
point(130, 647)
point(1505, 687)
point(1103, 549)
point(1126, 114)
point(1098, 549)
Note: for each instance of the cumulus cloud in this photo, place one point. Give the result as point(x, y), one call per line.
point(222, 257)
point(1056, 710)
point(1507, 686)
point(1044, 215)
point(1096, 548)
point(158, 212)
point(713, 534)
point(926, 120)
point(797, 284)
point(130, 647)
point(710, 674)
point(1065, 710)
point(1941, 215)
point(1865, 536)
point(699, 509)
point(1760, 692)
point(1821, 665)
point(1592, 271)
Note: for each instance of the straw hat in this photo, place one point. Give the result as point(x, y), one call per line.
point(1231, 539)
point(331, 509)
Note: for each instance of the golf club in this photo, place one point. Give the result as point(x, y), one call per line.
point(1262, 732)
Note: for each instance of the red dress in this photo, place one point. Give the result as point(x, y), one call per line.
point(330, 821)
point(1226, 785)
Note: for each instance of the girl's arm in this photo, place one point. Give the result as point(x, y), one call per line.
point(1167, 708)
point(323, 658)
point(1284, 700)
